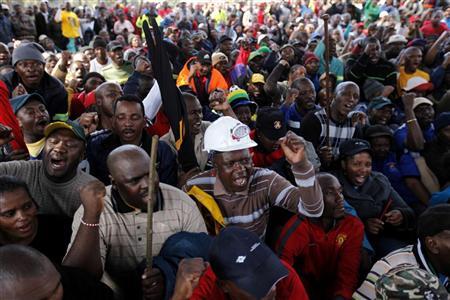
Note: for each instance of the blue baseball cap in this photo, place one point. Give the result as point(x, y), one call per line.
point(239, 256)
point(18, 102)
point(379, 103)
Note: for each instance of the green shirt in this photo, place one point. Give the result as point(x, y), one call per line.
point(118, 74)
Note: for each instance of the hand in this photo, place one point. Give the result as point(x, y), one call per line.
point(394, 217)
point(218, 101)
point(408, 100)
point(294, 148)
point(359, 118)
point(65, 57)
point(374, 225)
point(189, 272)
point(91, 196)
point(74, 83)
point(326, 154)
point(6, 134)
point(89, 122)
point(194, 68)
point(19, 90)
point(153, 286)
point(18, 154)
point(291, 95)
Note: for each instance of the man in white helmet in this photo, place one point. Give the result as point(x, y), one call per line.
point(236, 193)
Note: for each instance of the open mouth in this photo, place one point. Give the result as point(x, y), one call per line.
point(42, 123)
point(128, 133)
point(359, 180)
point(58, 164)
point(25, 228)
point(241, 180)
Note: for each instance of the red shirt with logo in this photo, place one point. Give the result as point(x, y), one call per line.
point(327, 262)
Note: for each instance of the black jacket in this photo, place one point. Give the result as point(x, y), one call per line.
point(51, 89)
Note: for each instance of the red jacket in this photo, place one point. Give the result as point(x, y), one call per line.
point(264, 160)
point(288, 288)
point(327, 262)
point(8, 118)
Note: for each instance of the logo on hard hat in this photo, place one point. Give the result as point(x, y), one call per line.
point(239, 131)
point(277, 124)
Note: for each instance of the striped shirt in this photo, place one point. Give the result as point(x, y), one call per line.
point(411, 255)
point(250, 209)
point(123, 237)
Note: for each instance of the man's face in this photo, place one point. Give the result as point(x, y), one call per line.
point(132, 180)
point(306, 96)
point(374, 52)
point(444, 134)
point(18, 222)
point(346, 99)
point(195, 116)
point(4, 56)
point(92, 83)
point(128, 122)
point(255, 90)
point(413, 58)
point(234, 169)
point(235, 292)
point(226, 47)
point(144, 66)
point(205, 69)
point(244, 114)
point(332, 197)
point(266, 143)
point(436, 19)
point(187, 47)
point(380, 146)
point(117, 56)
point(107, 99)
point(100, 52)
point(90, 53)
point(288, 54)
point(396, 47)
point(424, 114)
point(78, 70)
point(62, 154)
point(442, 251)
point(221, 66)
point(33, 117)
point(30, 72)
point(381, 116)
point(312, 67)
point(256, 64)
point(358, 168)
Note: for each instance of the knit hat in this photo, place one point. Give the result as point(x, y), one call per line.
point(442, 121)
point(31, 51)
point(433, 221)
point(239, 97)
point(218, 57)
point(309, 56)
point(372, 89)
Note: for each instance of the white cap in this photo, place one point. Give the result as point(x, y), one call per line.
point(261, 37)
point(227, 134)
point(397, 38)
point(421, 100)
point(417, 81)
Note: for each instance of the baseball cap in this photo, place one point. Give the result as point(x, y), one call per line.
point(433, 220)
point(379, 103)
point(239, 97)
point(218, 57)
point(270, 121)
point(407, 281)
point(204, 57)
point(418, 84)
point(224, 38)
point(374, 131)
point(421, 100)
point(397, 38)
point(42, 37)
point(114, 45)
point(261, 37)
point(227, 134)
point(443, 120)
point(254, 54)
point(257, 78)
point(372, 88)
point(239, 256)
point(18, 102)
point(308, 56)
point(72, 126)
point(353, 146)
point(5, 6)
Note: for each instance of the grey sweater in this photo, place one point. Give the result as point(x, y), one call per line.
point(52, 198)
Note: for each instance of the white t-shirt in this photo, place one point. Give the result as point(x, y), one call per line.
point(97, 67)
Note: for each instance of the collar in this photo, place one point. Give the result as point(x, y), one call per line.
point(421, 258)
point(219, 188)
point(121, 207)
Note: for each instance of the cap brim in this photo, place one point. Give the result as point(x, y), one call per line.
point(355, 151)
point(274, 135)
point(259, 283)
point(49, 129)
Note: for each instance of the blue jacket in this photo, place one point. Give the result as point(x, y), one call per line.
point(101, 144)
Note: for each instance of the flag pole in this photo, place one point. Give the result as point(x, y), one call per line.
point(151, 201)
point(325, 19)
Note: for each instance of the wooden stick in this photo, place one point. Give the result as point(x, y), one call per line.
point(151, 201)
point(325, 19)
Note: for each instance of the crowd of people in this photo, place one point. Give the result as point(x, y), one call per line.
point(303, 150)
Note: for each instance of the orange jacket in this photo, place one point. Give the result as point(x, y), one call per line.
point(215, 80)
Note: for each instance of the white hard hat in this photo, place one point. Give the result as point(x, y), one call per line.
point(227, 134)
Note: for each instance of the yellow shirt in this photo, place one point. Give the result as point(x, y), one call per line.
point(35, 148)
point(70, 25)
point(403, 78)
